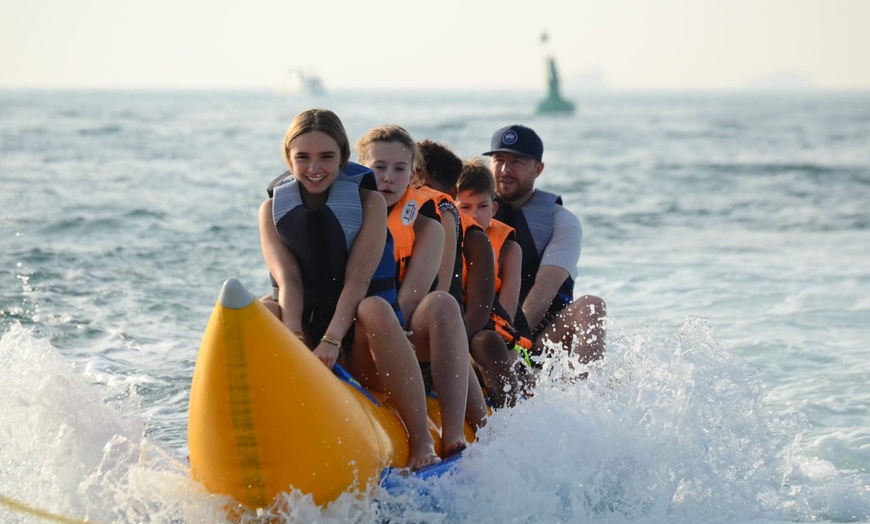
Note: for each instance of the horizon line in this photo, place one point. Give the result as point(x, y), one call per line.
point(566, 91)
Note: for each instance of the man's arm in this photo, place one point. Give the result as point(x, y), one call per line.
point(558, 262)
point(547, 283)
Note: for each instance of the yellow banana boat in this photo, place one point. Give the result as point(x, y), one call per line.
point(266, 416)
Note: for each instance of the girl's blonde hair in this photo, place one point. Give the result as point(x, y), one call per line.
point(386, 133)
point(322, 120)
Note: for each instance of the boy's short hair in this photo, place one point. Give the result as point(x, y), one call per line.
point(438, 161)
point(476, 177)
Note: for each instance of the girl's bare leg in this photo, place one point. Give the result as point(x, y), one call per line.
point(492, 356)
point(439, 337)
point(393, 366)
point(475, 408)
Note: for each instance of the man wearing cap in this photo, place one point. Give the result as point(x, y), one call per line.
point(550, 237)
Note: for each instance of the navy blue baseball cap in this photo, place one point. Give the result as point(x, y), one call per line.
point(518, 140)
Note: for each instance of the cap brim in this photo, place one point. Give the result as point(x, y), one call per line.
point(511, 151)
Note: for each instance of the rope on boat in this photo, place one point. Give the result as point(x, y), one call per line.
point(27, 509)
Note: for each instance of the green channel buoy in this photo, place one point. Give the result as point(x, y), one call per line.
point(554, 103)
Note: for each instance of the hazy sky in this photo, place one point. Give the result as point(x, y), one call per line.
point(457, 44)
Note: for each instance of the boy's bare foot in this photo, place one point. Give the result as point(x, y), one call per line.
point(454, 449)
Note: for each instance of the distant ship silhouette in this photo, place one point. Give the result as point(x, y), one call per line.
point(305, 84)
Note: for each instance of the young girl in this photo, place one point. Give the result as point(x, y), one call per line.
point(323, 236)
point(433, 319)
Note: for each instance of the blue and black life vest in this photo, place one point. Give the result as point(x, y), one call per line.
point(534, 226)
point(321, 241)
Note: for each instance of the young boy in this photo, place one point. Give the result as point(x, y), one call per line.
point(475, 197)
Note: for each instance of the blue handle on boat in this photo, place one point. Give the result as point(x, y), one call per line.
point(343, 374)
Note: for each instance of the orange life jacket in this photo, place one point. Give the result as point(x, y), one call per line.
point(513, 338)
point(444, 204)
point(499, 233)
point(467, 223)
point(400, 221)
point(436, 196)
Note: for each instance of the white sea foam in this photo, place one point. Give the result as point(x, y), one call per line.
point(669, 428)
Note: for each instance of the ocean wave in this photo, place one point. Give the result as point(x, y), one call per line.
point(102, 131)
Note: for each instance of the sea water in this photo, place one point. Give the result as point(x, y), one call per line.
point(729, 234)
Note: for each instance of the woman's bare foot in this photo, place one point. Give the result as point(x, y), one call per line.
point(420, 458)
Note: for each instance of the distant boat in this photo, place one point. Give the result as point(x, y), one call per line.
point(305, 84)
